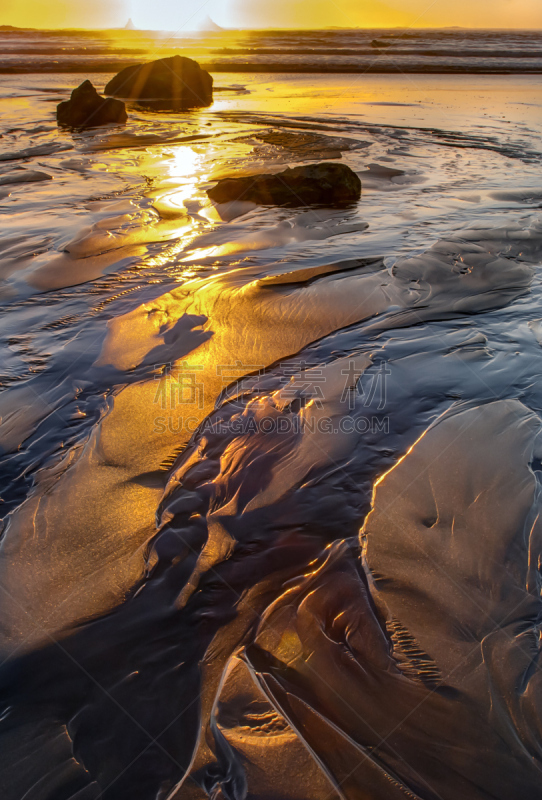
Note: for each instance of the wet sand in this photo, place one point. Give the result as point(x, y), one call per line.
point(271, 476)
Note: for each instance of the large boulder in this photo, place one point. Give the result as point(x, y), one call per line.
point(327, 184)
point(86, 109)
point(175, 83)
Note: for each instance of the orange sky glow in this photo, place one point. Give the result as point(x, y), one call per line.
point(181, 15)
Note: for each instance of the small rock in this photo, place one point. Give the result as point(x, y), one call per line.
point(175, 84)
point(325, 184)
point(25, 176)
point(86, 109)
point(380, 171)
point(33, 152)
point(380, 43)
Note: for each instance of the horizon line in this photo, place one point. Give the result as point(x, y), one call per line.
point(7, 27)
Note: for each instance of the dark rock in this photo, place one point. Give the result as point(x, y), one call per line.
point(380, 171)
point(87, 109)
point(24, 176)
point(325, 184)
point(380, 43)
point(175, 83)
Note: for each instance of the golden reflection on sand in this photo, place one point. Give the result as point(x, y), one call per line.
point(201, 328)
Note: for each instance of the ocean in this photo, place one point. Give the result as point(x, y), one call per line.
point(455, 50)
point(270, 478)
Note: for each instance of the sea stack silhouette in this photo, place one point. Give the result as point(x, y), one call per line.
point(208, 25)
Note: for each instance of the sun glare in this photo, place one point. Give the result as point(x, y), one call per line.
point(170, 15)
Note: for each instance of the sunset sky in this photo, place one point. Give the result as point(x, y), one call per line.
point(176, 15)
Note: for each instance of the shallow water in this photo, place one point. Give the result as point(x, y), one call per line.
point(271, 476)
